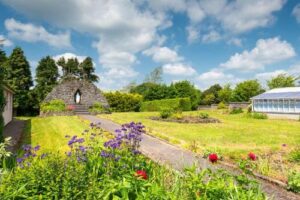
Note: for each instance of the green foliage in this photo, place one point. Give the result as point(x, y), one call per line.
point(97, 108)
point(222, 105)
point(4, 154)
point(236, 111)
point(19, 79)
point(281, 80)
point(225, 94)
point(56, 105)
point(84, 70)
point(46, 77)
point(203, 115)
point(247, 89)
point(294, 181)
point(186, 89)
point(177, 115)
point(294, 155)
point(256, 115)
point(123, 102)
point(113, 175)
point(166, 113)
point(211, 95)
point(183, 104)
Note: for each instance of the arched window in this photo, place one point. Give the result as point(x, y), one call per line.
point(77, 97)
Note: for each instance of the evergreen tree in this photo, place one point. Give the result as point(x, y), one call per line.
point(87, 70)
point(46, 77)
point(20, 79)
point(69, 67)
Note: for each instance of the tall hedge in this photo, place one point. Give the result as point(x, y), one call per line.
point(183, 104)
point(123, 102)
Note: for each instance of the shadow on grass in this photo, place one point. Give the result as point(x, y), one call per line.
point(26, 136)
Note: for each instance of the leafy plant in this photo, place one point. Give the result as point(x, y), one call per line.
point(222, 105)
point(256, 115)
point(123, 102)
point(203, 115)
point(183, 104)
point(177, 115)
point(236, 111)
point(166, 113)
point(56, 105)
point(294, 181)
point(294, 155)
point(97, 108)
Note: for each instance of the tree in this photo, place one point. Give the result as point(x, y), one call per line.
point(209, 99)
point(20, 79)
point(46, 77)
point(155, 76)
point(187, 89)
point(281, 80)
point(214, 89)
point(87, 70)
point(225, 94)
point(69, 67)
point(247, 89)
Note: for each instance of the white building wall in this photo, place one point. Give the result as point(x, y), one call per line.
point(8, 109)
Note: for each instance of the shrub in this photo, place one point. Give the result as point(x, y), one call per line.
point(258, 115)
point(294, 155)
point(177, 115)
point(56, 105)
point(222, 105)
point(97, 108)
point(166, 113)
point(123, 102)
point(183, 104)
point(294, 181)
point(236, 111)
point(203, 115)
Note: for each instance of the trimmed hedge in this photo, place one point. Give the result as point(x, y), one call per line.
point(55, 105)
point(123, 102)
point(183, 104)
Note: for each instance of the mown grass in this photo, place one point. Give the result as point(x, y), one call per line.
point(234, 137)
point(49, 132)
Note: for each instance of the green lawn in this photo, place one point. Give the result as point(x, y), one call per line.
point(234, 137)
point(49, 132)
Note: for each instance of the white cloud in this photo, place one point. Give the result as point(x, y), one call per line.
point(235, 17)
point(174, 5)
point(31, 33)
point(5, 41)
point(296, 12)
point(193, 34)
point(69, 55)
point(212, 36)
point(235, 41)
point(216, 76)
point(179, 69)
point(266, 51)
point(163, 54)
point(268, 75)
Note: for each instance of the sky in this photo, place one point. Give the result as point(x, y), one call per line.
point(203, 41)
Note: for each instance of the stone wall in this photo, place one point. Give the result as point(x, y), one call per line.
point(67, 89)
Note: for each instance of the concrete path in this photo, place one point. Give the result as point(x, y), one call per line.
point(178, 158)
point(14, 130)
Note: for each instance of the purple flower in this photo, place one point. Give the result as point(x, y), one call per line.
point(19, 160)
point(69, 153)
point(36, 148)
point(43, 155)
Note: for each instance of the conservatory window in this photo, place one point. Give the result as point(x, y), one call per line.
point(292, 105)
point(285, 105)
point(297, 106)
point(280, 105)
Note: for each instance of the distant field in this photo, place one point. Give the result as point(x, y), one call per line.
point(49, 132)
point(234, 137)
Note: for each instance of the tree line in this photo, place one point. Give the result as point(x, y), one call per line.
point(16, 73)
point(153, 89)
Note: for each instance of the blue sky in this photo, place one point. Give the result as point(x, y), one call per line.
point(204, 41)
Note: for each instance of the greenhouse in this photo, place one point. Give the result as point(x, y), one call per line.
point(280, 100)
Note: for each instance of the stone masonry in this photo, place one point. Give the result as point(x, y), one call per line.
point(67, 89)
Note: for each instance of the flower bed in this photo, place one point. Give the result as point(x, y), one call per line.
point(115, 169)
point(187, 119)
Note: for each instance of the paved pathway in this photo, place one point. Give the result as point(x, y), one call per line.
point(178, 158)
point(14, 130)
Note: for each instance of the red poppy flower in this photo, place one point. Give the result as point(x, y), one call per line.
point(252, 156)
point(213, 157)
point(142, 174)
